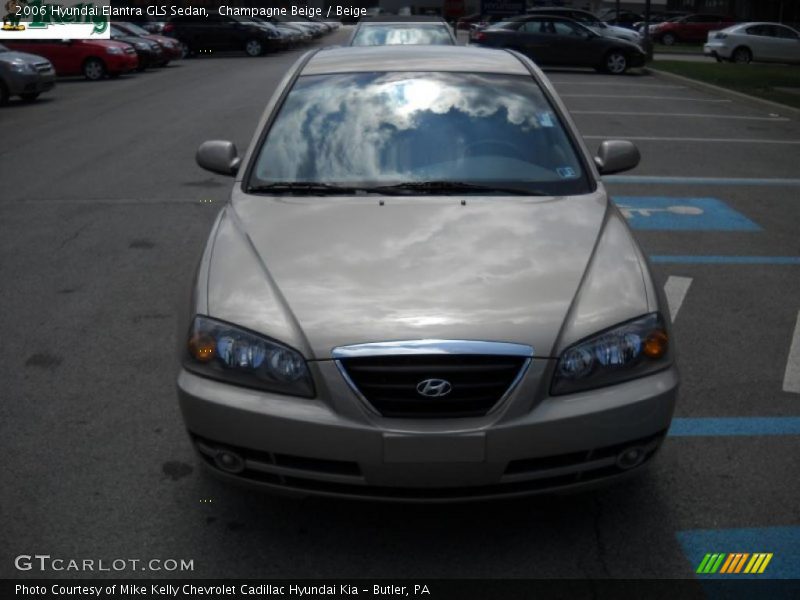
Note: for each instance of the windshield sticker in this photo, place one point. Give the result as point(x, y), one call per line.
point(566, 172)
point(546, 120)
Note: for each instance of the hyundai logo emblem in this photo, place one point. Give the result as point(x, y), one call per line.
point(434, 388)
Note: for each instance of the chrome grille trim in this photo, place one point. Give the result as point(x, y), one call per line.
point(411, 347)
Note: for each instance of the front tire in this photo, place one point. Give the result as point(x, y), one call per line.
point(4, 94)
point(616, 62)
point(94, 69)
point(254, 47)
point(742, 55)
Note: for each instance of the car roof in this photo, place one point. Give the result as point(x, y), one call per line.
point(402, 19)
point(540, 17)
point(413, 58)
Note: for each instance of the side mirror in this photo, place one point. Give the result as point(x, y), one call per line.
point(615, 156)
point(219, 156)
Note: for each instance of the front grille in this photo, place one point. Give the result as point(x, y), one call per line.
point(43, 67)
point(130, 50)
point(389, 383)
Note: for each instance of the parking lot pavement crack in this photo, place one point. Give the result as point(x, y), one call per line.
point(74, 236)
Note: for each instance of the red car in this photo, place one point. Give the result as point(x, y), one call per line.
point(171, 46)
point(94, 59)
point(691, 28)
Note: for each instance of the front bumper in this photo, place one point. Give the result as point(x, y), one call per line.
point(30, 83)
point(333, 446)
point(637, 60)
point(122, 63)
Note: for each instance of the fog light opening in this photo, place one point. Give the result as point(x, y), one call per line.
point(228, 461)
point(631, 457)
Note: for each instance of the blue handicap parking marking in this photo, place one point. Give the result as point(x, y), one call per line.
point(734, 426)
point(682, 214)
point(782, 542)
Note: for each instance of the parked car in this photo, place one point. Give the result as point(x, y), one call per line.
point(149, 52)
point(625, 18)
point(94, 59)
point(659, 17)
point(691, 28)
point(762, 42)
point(390, 30)
point(221, 33)
point(24, 75)
point(584, 17)
point(171, 46)
point(555, 41)
point(465, 22)
point(420, 290)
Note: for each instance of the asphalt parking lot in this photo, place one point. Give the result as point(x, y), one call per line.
point(103, 213)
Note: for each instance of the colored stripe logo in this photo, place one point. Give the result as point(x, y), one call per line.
point(736, 562)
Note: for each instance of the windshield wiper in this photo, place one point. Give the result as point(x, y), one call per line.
point(456, 187)
point(304, 187)
point(408, 187)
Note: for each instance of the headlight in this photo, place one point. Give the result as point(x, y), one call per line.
point(627, 351)
point(114, 50)
point(21, 67)
point(226, 352)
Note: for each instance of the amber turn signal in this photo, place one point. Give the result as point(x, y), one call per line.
point(655, 346)
point(202, 347)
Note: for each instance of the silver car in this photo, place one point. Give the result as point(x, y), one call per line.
point(24, 75)
point(391, 30)
point(746, 42)
point(420, 290)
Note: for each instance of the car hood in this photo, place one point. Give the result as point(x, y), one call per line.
point(13, 56)
point(615, 31)
point(331, 271)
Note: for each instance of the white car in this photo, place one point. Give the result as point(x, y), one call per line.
point(746, 42)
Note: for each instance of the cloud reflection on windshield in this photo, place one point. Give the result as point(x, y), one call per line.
point(390, 126)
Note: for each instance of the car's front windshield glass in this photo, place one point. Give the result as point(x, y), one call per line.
point(391, 35)
point(388, 128)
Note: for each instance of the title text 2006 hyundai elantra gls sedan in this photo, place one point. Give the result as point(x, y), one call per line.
point(419, 290)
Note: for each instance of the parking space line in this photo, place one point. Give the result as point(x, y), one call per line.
point(693, 259)
point(734, 426)
point(646, 138)
point(628, 97)
point(675, 289)
point(791, 378)
point(624, 113)
point(667, 180)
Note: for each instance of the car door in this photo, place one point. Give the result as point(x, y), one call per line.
point(787, 43)
point(573, 44)
point(538, 42)
point(696, 27)
point(760, 42)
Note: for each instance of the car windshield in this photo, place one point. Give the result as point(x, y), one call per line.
point(393, 128)
point(396, 34)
